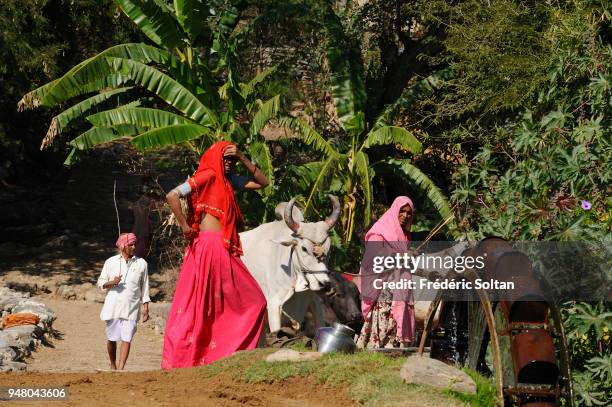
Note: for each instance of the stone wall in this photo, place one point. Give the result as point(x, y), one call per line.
point(17, 342)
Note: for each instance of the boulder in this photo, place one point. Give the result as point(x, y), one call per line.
point(7, 354)
point(431, 372)
point(66, 291)
point(290, 355)
point(45, 314)
point(22, 336)
point(94, 295)
point(12, 367)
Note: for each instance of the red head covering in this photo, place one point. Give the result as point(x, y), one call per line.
point(125, 239)
point(213, 194)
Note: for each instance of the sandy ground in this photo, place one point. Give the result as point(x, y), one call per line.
point(71, 363)
point(82, 347)
point(180, 387)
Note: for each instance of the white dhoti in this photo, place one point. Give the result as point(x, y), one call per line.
point(120, 329)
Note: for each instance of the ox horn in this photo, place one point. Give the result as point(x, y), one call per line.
point(333, 218)
point(291, 224)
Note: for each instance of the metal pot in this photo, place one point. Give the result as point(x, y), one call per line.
point(336, 339)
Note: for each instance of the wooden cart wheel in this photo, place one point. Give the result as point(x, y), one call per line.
point(477, 344)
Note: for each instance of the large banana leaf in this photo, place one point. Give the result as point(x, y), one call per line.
point(391, 135)
point(407, 169)
point(192, 15)
point(92, 74)
point(156, 22)
point(174, 134)
point(171, 91)
point(267, 111)
point(362, 169)
point(196, 77)
point(348, 88)
point(100, 135)
point(140, 116)
point(309, 135)
point(76, 112)
point(261, 155)
point(34, 98)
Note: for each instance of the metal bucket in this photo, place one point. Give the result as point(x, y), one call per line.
point(336, 339)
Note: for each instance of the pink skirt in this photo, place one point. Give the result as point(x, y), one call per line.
point(218, 307)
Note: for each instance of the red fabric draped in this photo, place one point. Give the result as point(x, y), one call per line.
point(212, 193)
point(218, 307)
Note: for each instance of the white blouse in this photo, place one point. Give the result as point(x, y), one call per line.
point(124, 300)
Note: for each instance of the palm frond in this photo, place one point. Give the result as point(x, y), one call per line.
point(140, 116)
point(261, 155)
point(308, 135)
point(174, 134)
point(63, 120)
point(156, 22)
point(267, 111)
point(168, 89)
point(391, 135)
point(192, 15)
point(362, 169)
point(320, 181)
point(91, 75)
point(101, 135)
point(423, 182)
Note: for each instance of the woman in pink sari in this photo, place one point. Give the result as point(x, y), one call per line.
point(218, 307)
point(389, 315)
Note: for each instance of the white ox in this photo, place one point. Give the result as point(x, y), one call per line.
point(287, 257)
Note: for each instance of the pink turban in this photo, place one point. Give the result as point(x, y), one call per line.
point(125, 239)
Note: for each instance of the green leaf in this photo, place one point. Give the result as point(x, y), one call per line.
point(63, 120)
point(319, 182)
point(192, 15)
point(97, 135)
point(140, 116)
point(267, 111)
point(174, 134)
point(247, 89)
point(391, 135)
point(422, 181)
point(155, 22)
point(309, 135)
point(555, 119)
point(362, 169)
point(171, 91)
point(91, 75)
point(261, 155)
point(348, 88)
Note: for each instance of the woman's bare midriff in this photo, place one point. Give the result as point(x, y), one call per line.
point(209, 222)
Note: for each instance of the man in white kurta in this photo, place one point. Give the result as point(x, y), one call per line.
point(126, 280)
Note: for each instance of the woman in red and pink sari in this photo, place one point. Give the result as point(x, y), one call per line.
point(218, 307)
point(389, 314)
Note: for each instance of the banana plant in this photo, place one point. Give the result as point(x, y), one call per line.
point(182, 88)
point(347, 164)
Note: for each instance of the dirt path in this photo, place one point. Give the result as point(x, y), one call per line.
point(83, 344)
